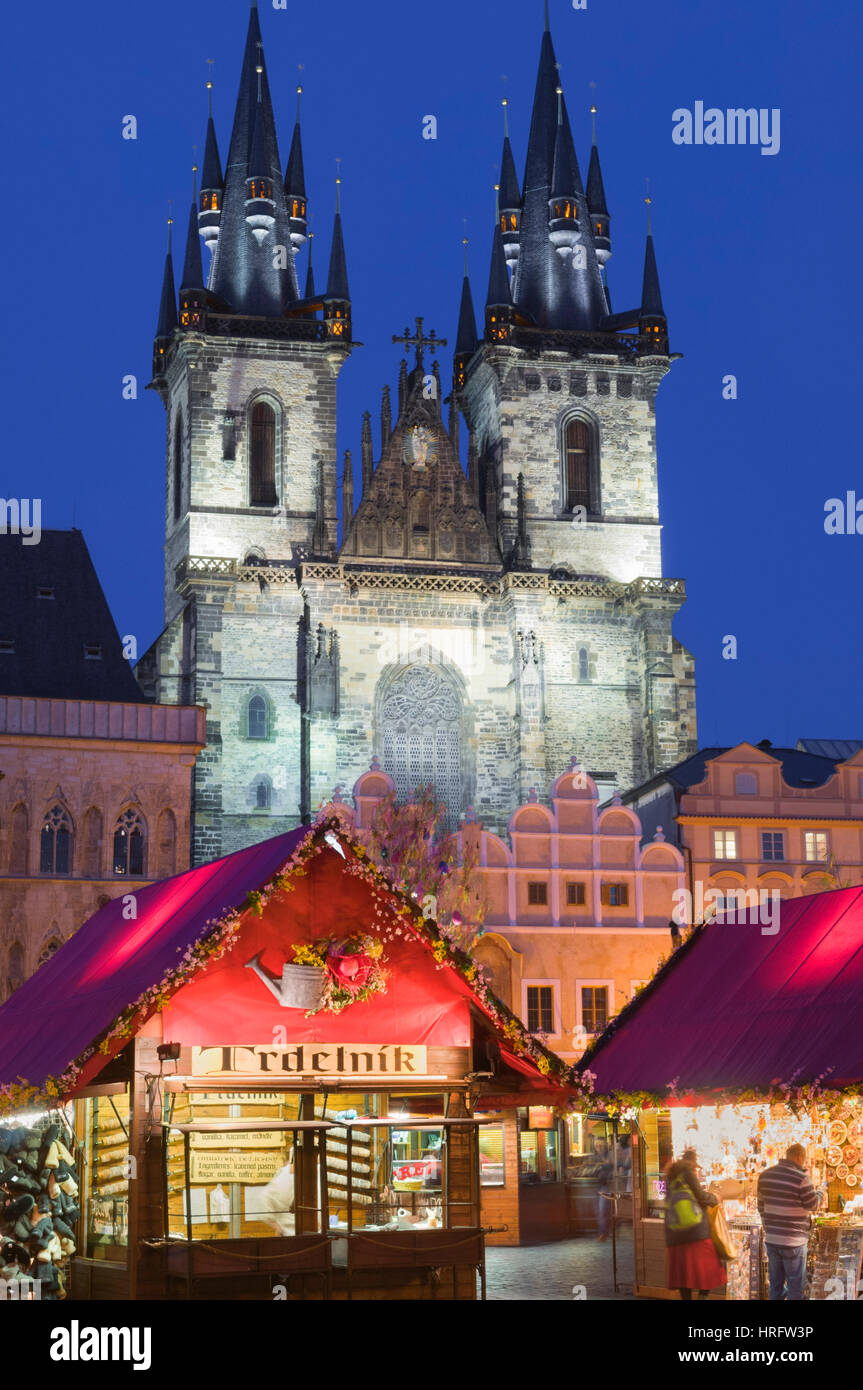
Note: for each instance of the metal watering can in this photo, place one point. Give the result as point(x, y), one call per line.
point(300, 986)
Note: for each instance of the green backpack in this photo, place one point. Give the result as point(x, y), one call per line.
point(683, 1212)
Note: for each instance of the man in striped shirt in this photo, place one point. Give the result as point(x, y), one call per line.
point(785, 1199)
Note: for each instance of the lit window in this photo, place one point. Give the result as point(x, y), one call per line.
point(615, 894)
point(575, 894)
point(537, 894)
point(540, 1009)
point(772, 845)
point(594, 1008)
point(815, 846)
point(129, 845)
point(725, 844)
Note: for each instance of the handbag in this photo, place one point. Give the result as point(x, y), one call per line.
point(720, 1234)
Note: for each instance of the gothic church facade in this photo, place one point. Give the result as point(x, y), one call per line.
point(473, 629)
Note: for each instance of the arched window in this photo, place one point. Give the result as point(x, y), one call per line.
point(262, 456)
point(19, 857)
point(167, 843)
point(583, 664)
point(580, 466)
point(129, 844)
point(257, 717)
point(178, 465)
point(93, 844)
point(15, 973)
point(421, 735)
point(55, 845)
point(263, 794)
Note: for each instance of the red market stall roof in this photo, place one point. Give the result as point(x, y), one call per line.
point(180, 947)
point(742, 1010)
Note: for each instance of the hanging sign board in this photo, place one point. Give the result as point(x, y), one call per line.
point(235, 1167)
point(247, 1139)
point(383, 1060)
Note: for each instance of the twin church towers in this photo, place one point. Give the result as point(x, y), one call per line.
point(477, 629)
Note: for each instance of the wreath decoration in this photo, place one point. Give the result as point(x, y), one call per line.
point(353, 968)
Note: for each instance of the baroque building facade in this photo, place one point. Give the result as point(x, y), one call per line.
point(472, 627)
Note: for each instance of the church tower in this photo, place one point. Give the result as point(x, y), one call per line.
point(476, 630)
point(559, 395)
point(247, 369)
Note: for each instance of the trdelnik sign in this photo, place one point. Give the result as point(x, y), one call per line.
point(311, 1059)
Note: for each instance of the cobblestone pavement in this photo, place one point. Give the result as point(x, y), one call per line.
point(532, 1272)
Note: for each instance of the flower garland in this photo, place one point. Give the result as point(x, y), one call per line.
point(217, 937)
point(353, 969)
point(397, 915)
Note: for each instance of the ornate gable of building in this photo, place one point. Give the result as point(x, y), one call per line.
point(419, 505)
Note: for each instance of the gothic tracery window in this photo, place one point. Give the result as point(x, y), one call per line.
point(55, 843)
point(421, 716)
point(129, 844)
point(262, 456)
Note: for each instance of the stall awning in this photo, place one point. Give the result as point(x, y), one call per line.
point(745, 1007)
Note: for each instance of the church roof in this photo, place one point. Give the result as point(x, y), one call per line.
point(419, 505)
point(244, 274)
point(52, 634)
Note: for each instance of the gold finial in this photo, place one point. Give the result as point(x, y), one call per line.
point(299, 98)
point(505, 105)
point(338, 184)
point(210, 65)
point(649, 201)
point(593, 122)
point(464, 242)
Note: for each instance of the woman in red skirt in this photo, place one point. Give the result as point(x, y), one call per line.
point(691, 1259)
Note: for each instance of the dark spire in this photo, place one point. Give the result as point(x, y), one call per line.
point(310, 274)
point(386, 419)
point(295, 176)
point(498, 280)
point(466, 338)
point(547, 287)
point(561, 172)
point(510, 195)
point(368, 461)
point(168, 303)
point(651, 296)
point(245, 273)
point(337, 282)
point(595, 188)
point(211, 174)
point(193, 270)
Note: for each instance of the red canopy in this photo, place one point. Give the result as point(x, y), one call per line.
point(134, 942)
point(738, 1008)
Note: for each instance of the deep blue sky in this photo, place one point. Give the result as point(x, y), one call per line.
point(759, 259)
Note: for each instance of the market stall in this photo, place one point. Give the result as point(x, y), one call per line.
point(273, 1075)
point(743, 1044)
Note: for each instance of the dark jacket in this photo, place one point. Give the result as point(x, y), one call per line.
point(681, 1175)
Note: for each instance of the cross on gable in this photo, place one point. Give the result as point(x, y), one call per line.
point(420, 341)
